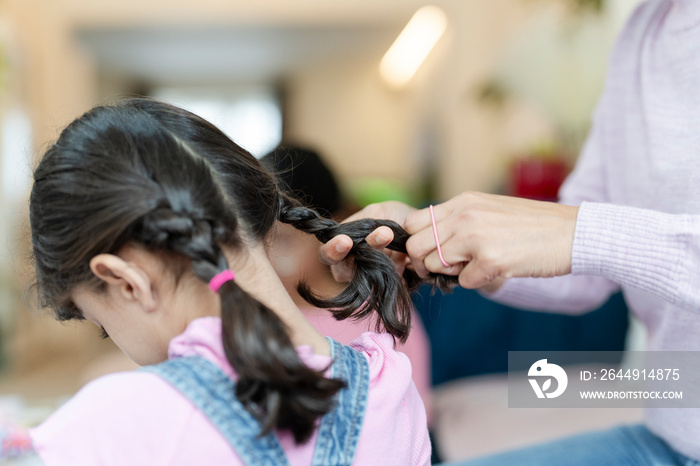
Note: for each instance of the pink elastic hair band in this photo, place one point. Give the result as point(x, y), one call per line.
point(219, 279)
point(437, 241)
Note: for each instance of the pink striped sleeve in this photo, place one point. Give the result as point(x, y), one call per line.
point(649, 250)
point(568, 294)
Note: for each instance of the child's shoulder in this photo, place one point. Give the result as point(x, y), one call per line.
point(127, 389)
point(385, 362)
point(113, 396)
point(112, 411)
point(395, 425)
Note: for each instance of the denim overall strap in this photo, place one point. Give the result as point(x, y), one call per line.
point(212, 392)
point(340, 428)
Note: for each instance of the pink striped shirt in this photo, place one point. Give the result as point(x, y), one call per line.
point(638, 184)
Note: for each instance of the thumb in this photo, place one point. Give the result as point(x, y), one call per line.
point(335, 250)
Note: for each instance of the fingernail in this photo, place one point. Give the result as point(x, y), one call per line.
point(340, 247)
point(381, 238)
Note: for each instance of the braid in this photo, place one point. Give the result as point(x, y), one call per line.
point(375, 285)
point(273, 383)
point(149, 173)
point(196, 239)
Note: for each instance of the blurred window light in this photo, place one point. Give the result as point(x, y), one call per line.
point(15, 147)
point(413, 45)
point(253, 119)
point(15, 182)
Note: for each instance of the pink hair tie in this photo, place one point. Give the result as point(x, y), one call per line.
point(437, 241)
point(219, 279)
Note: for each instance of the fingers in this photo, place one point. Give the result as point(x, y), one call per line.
point(335, 250)
point(389, 210)
point(475, 276)
point(421, 220)
point(433, 263)
point(423, 252)
point(334, 253)
point(380, 238)
point(418, 246)
point(484, 237)
point(417, 221)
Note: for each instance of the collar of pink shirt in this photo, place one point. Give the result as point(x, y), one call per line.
point(202, 337)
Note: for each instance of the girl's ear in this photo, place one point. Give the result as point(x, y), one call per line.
point(130, 280)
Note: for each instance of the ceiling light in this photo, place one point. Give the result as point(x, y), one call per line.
point(413, 45)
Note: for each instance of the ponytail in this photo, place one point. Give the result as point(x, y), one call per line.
point(375, 286)
point(274, 385)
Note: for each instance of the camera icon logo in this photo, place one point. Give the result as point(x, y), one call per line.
point(547, 371)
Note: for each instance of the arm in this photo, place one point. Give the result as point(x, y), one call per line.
point(487, 237)
point(645, 249)
point(536, 237)
point(653, 251)
point(576, 293)
point(612, 245)
point(568, 294)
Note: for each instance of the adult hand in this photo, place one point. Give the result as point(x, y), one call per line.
point(486, 238)
point(335, 251)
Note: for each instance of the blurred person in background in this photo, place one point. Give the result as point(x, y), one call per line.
point(294, 254)
point(628, 219)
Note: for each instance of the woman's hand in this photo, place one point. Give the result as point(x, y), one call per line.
point(335, 251)
point(487, 238)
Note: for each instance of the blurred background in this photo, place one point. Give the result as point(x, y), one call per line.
point(501, 102)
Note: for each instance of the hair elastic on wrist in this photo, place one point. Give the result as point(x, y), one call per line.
point(437, 241)
point(219, 279)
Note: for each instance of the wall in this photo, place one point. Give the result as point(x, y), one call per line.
point(344, 109)
point(340, 106)
point(53, 81)
point(437, 122)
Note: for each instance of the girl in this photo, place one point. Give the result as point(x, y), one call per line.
point(149, 222)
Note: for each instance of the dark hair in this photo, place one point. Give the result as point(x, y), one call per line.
point(148, 172)
point(375, 286)
point(304, 175)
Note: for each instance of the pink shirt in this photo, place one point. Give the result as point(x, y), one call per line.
point(136, 418)
point(417, 346)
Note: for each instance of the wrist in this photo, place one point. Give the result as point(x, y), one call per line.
point(570, 216)
point(493, 286)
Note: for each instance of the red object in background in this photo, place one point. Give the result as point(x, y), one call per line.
point(539, 179)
